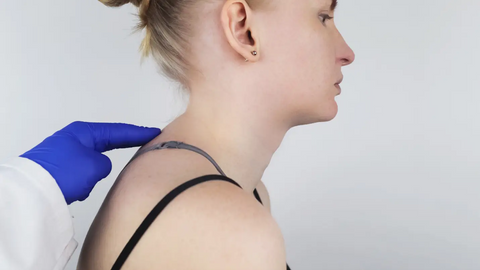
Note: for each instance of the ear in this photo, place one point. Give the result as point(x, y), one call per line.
point(236, 21)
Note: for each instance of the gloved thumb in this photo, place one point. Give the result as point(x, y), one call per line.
point(102, 166)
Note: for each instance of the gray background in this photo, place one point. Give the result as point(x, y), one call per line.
point(391, 183)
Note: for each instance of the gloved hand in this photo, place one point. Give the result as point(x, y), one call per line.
point(73, 155)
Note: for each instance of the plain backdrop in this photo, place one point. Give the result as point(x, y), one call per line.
point(391, 183)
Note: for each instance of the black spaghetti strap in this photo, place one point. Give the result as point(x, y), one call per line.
point(156, 211)
point(257, 196)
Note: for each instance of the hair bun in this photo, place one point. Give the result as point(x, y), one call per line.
point(117, 3)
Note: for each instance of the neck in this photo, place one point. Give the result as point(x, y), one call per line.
point(241, 140)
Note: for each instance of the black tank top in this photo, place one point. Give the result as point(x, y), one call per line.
point(170, 196)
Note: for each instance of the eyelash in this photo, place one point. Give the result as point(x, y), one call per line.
point(325, 18)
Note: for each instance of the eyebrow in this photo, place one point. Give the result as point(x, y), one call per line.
point(334, 5)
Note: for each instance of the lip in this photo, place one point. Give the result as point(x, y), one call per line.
point(337, 85)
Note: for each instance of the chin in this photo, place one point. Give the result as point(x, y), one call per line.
point(325, 114)
point(328, 116)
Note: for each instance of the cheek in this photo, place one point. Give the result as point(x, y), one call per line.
point(311, 79)
point(295, 57)
point(301, 67)
point(313, 64)
point(299, 51)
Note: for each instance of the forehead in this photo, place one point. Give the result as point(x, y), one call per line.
point(290, 6)
point(327, 4)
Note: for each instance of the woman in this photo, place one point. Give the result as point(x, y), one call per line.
point(253, 69)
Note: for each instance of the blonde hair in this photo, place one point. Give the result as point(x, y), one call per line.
point(166, 31)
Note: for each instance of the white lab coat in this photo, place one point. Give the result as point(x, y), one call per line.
point(36, 228)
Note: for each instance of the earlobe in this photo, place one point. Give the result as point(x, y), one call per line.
point(254, 53)
point(236, 22)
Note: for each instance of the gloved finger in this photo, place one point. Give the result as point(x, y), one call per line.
point(108, 136)
point(83, 198)
point(102, 166)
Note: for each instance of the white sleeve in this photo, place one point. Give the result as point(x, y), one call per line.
point(36, 228)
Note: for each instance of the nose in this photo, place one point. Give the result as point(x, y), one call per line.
point(346, 56)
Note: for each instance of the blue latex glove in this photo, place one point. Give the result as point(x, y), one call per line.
point(73, 155)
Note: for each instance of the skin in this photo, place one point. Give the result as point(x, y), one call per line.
point(239, 113)
point(244, 109)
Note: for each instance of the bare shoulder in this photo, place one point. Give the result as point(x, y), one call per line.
point(136, 191)
point(214, 225)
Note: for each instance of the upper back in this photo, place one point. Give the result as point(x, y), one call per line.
point(213, 225)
